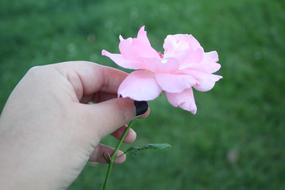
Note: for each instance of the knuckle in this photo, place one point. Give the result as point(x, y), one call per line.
point(36, 71)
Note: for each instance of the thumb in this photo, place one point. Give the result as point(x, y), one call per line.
point(108, 116)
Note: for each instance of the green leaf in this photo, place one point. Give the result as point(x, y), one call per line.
point(135, 149)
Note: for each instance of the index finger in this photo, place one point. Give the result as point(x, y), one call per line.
point(88, 78)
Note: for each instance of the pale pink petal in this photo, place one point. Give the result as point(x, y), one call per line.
point(185, 49)
point(150, 64)
point(194, 56)
point(205, 81)
point(159, 65)
point(139, 47)
point(191, 59)
point(209, 62)
point(184, 100)
point(211, 67)
point(212, 56)
point(175, 45)
point(120, 60)
point(207, 67)
point(140, 85)
point(174, 83)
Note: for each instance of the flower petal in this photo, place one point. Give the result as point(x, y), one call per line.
point(184, 100)
point(139, 47)
point(120, 60)
point(209, 63)
point(180, 44)
point(140, 85)
point(208, 67)
point(158, 65)
point(174, 83)
point(205, 81)
point(212, 56)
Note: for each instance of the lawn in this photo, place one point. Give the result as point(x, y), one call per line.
point(237, 139)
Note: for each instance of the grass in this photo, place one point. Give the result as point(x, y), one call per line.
point(237, 139)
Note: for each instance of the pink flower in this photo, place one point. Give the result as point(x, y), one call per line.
point(183, 65)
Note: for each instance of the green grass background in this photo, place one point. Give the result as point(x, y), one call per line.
point(236, 141)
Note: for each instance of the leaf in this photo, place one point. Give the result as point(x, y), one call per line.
point(135, 149)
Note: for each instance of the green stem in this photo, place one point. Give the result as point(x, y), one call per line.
point(114, 155)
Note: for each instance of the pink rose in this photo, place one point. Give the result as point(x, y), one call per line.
point(183, 65)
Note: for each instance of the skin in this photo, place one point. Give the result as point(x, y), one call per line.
point(49, 129)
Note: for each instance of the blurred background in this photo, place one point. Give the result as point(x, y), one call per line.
point(237, 139)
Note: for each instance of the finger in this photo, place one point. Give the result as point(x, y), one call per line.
point(103, 153)
point(103, 96)
point(106, 117)
point(146, 114)
point(98, 97)
point(87, 78)
point(131, 136)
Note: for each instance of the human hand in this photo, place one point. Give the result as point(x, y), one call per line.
point(49, 130)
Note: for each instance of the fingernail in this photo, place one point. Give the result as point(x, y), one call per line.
point(141, 107)
point(121, 157)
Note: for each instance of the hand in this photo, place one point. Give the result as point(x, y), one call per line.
point(49, 129)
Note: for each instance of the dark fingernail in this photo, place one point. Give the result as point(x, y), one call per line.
point(141, 107)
